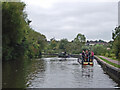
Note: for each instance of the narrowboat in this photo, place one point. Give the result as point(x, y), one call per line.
point(86, 62)
point(63, 55)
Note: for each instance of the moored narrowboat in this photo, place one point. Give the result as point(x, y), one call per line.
point(63, 55)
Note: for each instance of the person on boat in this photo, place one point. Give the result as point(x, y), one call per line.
point(89, 54)
point(92, 55)
point(83, 55)
point(86, 55)
point(65, 53)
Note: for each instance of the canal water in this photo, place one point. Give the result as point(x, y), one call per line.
point(54, 73)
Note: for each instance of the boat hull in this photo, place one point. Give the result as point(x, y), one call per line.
point(63, 56)
point(87, 63)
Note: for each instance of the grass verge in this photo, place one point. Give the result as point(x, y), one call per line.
point(112, 58)
point(115, 65)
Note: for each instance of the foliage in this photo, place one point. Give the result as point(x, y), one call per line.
point(80, 39)
point(78, 42)
point(116, 43)
point(85, 48)
point(53, 44)
point(18, 38)
point(71, 47)
point(63, 44)
point(99, 49)
point(115, 65)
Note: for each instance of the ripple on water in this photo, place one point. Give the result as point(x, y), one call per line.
point(52, 73)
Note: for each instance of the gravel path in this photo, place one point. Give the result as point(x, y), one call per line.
point(111, 60)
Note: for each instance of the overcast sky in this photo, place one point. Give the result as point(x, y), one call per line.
point(66, 18)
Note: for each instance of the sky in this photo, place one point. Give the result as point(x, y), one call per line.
point(66, 18)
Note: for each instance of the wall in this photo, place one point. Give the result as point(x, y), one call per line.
point(112, 71)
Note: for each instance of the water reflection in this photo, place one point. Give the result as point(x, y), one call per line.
point(54, 73)
point(13, 74)
point(37, 72)
point(16, 74)
point(87, 71)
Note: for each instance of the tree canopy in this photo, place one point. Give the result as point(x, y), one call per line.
point(116, 43)
point(18, 38)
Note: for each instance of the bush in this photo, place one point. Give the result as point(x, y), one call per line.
point(112, 55)
point(106, 54)
point(103, 54)
point(119, 56)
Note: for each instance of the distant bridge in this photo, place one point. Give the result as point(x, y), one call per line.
point(56, 54)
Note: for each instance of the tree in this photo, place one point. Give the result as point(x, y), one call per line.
point(13, 28)
point(63, 44)
point(53, 43)
point(18, 38)
point(79, 41)
point(99, 49)
point(116, 43)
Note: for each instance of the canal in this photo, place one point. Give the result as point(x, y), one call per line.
point(54, 73)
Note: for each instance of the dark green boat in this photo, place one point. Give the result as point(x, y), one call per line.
point(63, 55)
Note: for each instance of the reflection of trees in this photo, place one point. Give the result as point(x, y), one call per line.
point(87, 71)
point(16, 74)
point(37, 71)
point(13, 74)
